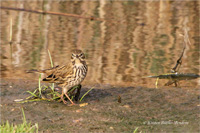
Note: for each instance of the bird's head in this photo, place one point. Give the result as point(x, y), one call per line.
point(77, 56)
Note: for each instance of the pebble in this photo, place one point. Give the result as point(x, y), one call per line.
point(18, 100)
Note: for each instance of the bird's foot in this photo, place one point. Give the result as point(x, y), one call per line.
point(65, 102)
point(69, 99)
point(72, 104)
point(61, 99)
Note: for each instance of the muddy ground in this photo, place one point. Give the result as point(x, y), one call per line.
point(165, 109)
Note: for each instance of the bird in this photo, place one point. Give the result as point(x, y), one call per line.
point(67, 76)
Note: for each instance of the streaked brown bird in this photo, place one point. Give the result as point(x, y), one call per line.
point(69, 75)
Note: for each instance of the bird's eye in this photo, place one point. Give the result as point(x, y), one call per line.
point(81, 56)
point(73, 56)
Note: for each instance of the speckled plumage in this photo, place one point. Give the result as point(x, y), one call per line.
point(69, 75)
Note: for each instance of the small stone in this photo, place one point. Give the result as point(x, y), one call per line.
point(18, 100)
point(78, 111)
point(111, 128)
point(126, 106)
point(83, 104)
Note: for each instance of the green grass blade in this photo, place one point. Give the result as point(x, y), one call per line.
point(86, 94)
point(32, 93)
point(39, 85)
point(36, 125)
point(135, 131)
point(50, 58)
point(24, 118)
point(52, 87)
point(71, 90)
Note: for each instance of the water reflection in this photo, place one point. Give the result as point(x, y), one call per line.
point(139, 38)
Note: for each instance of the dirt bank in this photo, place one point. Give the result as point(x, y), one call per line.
point(158, 110)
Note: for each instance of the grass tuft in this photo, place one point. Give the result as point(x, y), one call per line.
point(25, 127)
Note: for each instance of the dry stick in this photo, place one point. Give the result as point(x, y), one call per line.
point(179, 61)
point(186, 41)
point(52, 13)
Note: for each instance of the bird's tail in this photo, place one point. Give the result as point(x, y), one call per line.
point(32, 71)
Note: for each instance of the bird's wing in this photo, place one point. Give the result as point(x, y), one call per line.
point(46, 71)
point(59, 74)
point(49, 71)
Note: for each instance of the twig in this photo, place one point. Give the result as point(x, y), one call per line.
point(178, 62)
point(51, 13)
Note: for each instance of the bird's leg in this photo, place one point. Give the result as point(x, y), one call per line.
point(61, 96)
point(78, 92)
point(69, 99)
point(65, 92)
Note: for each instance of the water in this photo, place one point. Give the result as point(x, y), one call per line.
point(136, 39)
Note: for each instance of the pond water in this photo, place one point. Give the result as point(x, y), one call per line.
point(130, 41)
